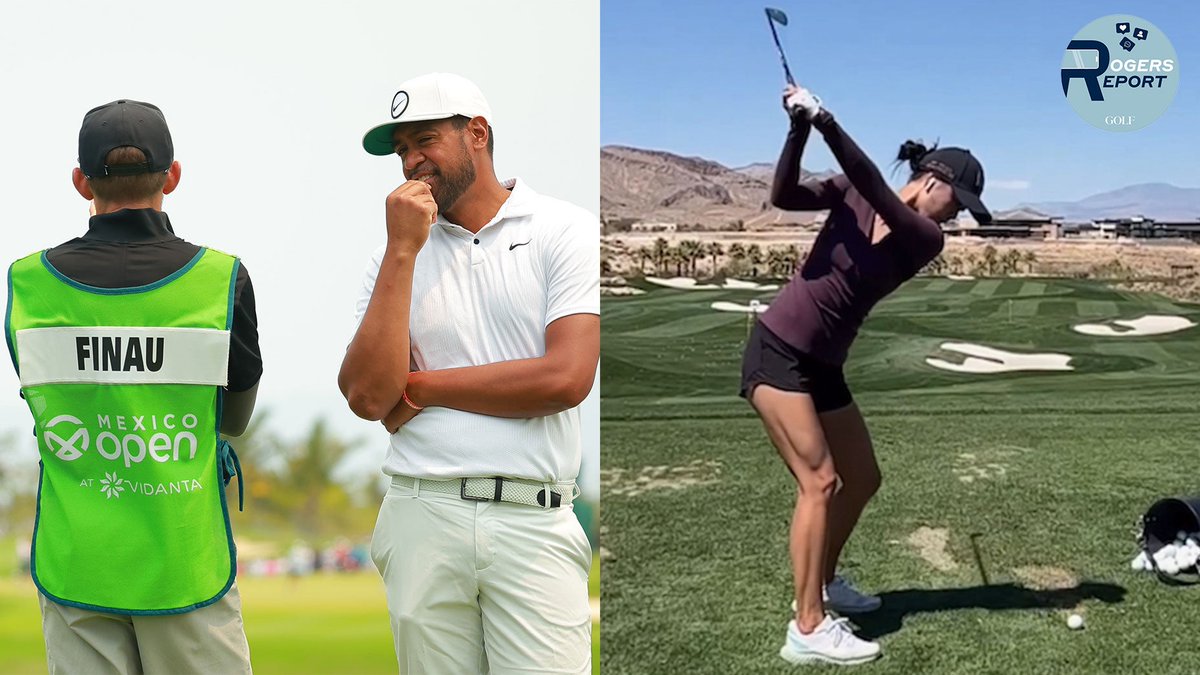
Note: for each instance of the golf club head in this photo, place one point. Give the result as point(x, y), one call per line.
point(776, 15)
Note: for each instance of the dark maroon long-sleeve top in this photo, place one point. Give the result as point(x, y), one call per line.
point(820, 311)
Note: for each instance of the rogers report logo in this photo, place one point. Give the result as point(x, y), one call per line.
point(1120, 73)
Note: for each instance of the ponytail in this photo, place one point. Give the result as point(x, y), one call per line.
point(913, 152)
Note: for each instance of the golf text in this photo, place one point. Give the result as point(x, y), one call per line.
point(68, 439)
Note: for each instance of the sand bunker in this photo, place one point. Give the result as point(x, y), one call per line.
point(621, 482)
point(960, 277)
point(1042, 578)
point(682, 283)
point(739, 285)
point(1151, 324)
point(986, 360)
point(620, 290)
point(689, 284)
point(931, 546)
point(755, 307)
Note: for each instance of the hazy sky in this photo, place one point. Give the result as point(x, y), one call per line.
point(267, 103)
point(703, 78)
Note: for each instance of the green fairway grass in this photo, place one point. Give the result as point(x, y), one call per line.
point(1060, 466)
point(326, 623)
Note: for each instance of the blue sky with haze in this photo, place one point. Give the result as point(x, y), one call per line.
point(703, 78)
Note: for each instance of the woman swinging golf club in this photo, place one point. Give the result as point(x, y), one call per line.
point(873, 240)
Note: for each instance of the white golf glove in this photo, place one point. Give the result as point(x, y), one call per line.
point(800, 101)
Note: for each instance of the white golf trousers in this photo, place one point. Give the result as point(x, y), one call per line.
point(483, 587)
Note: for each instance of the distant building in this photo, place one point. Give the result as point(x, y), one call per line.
point(1139, 227)
point(654, 227)
point(1011, 224)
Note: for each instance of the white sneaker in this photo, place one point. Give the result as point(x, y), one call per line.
point(831, 642)
point(839, 596)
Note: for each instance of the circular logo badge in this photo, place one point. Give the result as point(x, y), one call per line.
point(399, 104)
point(1120, 73)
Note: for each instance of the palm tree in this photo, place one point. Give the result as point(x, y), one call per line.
point(671, 257)
point(311, 465)
point(793, 259)
point(754, 254)
point(715, 249)
point(262, 456)
point(737, 258)
point(1012, 261)
point(691, 251)
point(660, 254)
point(644, 255)
point(1029, 258)
point(777, 261)
point(970, 261)
point(989, 260)
point(737, 251)
point(937, 266)
point(953, 265)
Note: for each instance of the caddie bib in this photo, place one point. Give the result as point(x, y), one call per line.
point(125, 388)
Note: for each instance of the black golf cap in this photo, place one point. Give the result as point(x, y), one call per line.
point(964, 173)
point(121, 123)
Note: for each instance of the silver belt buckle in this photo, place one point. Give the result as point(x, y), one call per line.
point(462, 491)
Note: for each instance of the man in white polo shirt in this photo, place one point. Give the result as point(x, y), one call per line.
point(478, 338)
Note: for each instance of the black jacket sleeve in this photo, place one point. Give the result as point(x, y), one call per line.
point(862, 173)
point(787, 192)
point(245, 361)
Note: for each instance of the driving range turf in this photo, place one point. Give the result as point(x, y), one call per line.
point(1048, 472)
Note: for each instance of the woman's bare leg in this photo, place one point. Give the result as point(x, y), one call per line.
point(854, 461)
point(792, 423)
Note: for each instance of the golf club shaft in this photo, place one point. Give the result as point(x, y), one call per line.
point(782, 57)
point(979, 559)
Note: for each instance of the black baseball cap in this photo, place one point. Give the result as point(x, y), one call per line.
point(964, 173)
point(122, 123)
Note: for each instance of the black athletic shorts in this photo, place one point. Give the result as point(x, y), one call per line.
point(771, 361)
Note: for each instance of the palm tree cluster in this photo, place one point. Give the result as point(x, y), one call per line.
point(683, 259)
point(989, 263)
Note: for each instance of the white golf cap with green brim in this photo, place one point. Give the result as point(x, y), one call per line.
point(435, 96)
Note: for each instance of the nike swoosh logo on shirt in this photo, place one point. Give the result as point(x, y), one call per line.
point(512, 246)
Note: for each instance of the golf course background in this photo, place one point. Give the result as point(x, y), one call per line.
point(325, 623)
point(1045, 472)
point(303, 490)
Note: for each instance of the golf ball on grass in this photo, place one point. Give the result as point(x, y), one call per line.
point(1074, 622)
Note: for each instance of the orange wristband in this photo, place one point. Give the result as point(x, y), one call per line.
point(410, 403)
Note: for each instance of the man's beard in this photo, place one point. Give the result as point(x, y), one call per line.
point(454, 182)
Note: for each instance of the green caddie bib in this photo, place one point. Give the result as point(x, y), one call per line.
point(125, 388)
